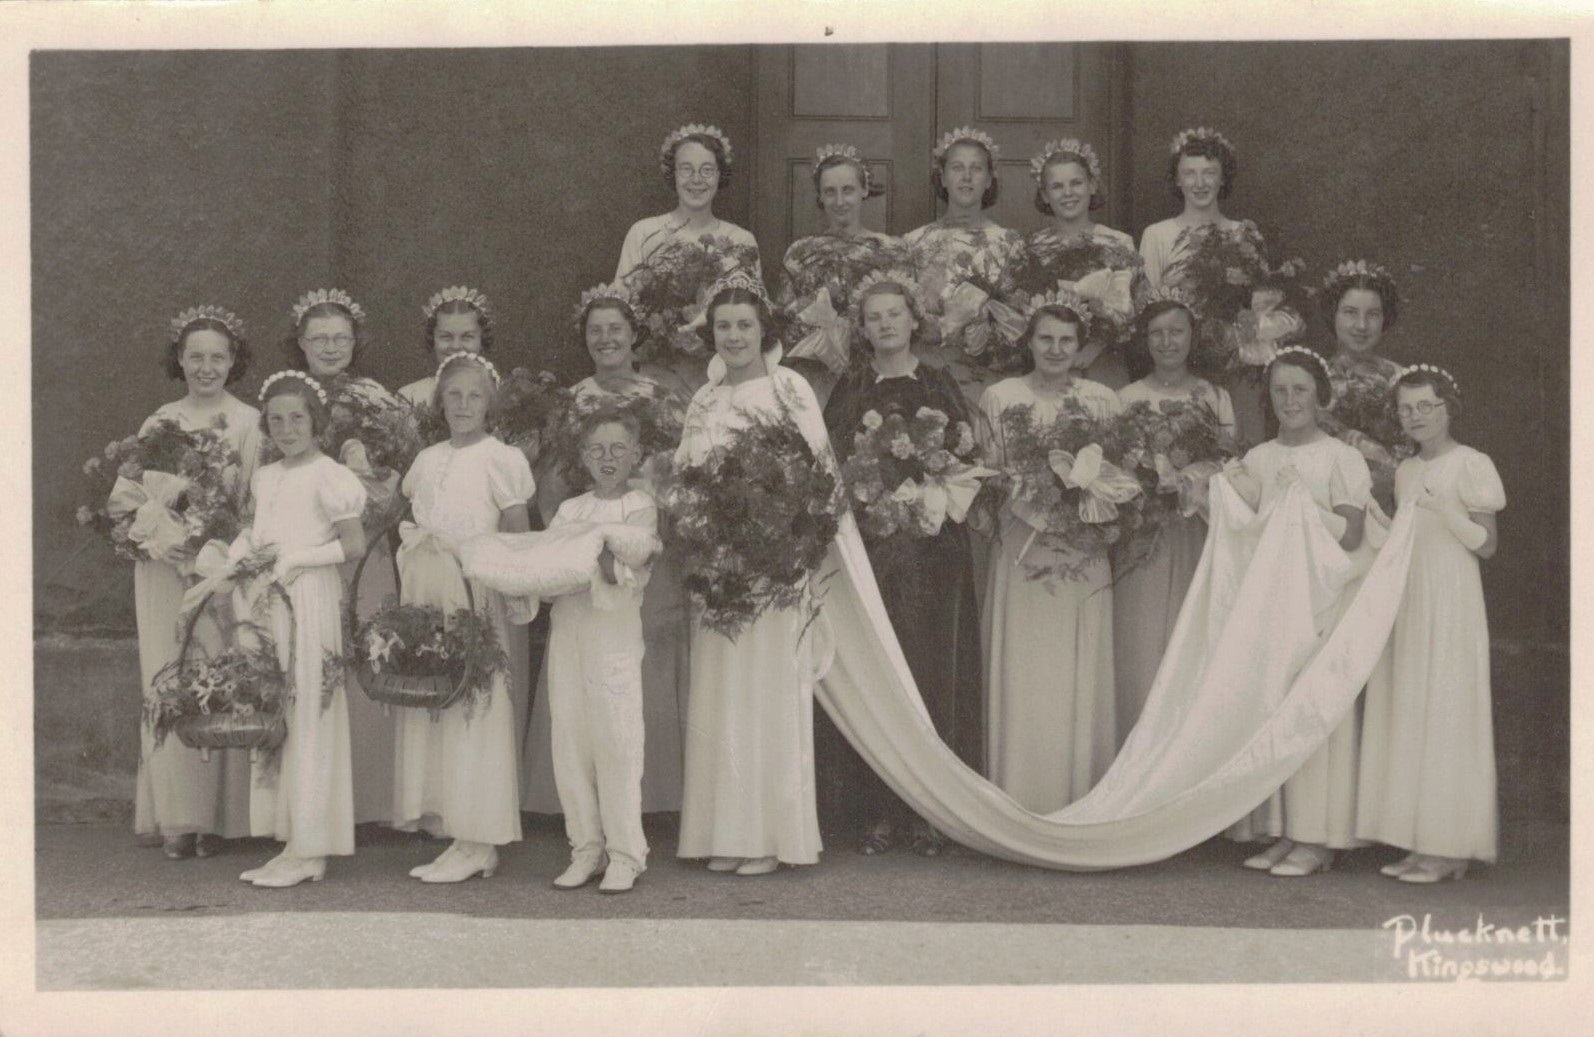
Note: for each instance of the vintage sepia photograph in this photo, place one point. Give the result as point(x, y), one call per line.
point(807, 506)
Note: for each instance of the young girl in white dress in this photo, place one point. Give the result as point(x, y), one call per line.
point(182, 801)
point(1050, 724)
point(1315, 814)
point(595, 652)
point(458, 775)
point(1427, 768)
point(749, 802)
point(307, 506)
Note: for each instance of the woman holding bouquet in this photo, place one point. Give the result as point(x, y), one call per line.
point(459, 776)
point(1050, 729)
point(373, 434)
point(181, 800)
point(964, 262)
point(668, 261)
point(1360, 302)
point(1185, 407)
point(832, 262)
point(1073, 247)
point(748, 802)
point(458, 320)
point(925, 576)
point(607, 320)
point(1201, 171)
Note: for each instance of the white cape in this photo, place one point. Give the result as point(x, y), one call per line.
point(1251, 684)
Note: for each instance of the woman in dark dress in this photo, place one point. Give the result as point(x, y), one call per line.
point(926, 580)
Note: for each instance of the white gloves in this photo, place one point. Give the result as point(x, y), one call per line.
point(290, 562)
point(1456, 519)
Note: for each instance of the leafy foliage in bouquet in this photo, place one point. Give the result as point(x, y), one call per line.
point(1103, 272)
point(667, 288)
point(418, 641)
point(908, 476)
point(752, 523)
point(1172, 448)
point(836, 264)
point(985, 333)
point(1364, 402)
point(657, 413)
point(163, 513)
point(1080, 518)
point(1250, 308)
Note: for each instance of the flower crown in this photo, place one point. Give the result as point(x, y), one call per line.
point(1303, 351)
point(1431, 369)
point(194, 314)
point(691, 129)
point(1199, 133)
point(1177, 294)
point(459, 293)
point(321, 394)
point(613, 292)
point(1062, 295)
point(475, 358)
point(1066, 146)
point(900, 278)
point(848, 152)
point(1354, 268)
point(970, 135)
point(335, 296)
point(743, 279)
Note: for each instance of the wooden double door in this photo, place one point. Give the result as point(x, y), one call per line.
point(893, 102)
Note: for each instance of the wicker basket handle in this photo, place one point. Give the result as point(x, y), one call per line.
point(351, 608)
point(199, 610)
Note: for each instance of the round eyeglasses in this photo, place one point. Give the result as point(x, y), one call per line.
point(342, 341)
point(1421, 409)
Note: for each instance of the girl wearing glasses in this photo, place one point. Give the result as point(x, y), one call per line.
point(1427, 767)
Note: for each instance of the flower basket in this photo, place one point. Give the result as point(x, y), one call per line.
point(258, 732)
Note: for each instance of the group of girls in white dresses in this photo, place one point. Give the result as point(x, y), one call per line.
point(1035, 684)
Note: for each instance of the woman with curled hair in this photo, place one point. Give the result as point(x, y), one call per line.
point(1427, 754)
point(458, 320)
point(833, 262)
point(1149, 593)
point(927, 582)
point(182, 802)
point(1201, 172)
point(1360, 302)
point(1050, 731)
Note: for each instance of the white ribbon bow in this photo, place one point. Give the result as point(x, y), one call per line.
point(1109, 291)
point(156, 527)
point(1258, 331)
point(1189, 482)
point(967, 303)
point(1103, 485)
point(949, 495)
point(831, 340)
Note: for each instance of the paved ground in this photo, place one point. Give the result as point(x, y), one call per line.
point(115, 915)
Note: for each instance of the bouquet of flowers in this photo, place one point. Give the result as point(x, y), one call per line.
point(667, 288)
point(1172, 448)
point(657, 413)
point(1250, 306)
point(752, 524)
point(419, 641)
point(238, 682)
point(1102, 272)
point(908, 476)
point(1068, 488)
point(973, 285)
point(1363, 416)
point(822, 272)
point(163, 493)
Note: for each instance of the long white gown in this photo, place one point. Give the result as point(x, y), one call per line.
point(309, 801)
point(458, 776)
point(176, 792)
point(1427, 767)
point(749, 788)
point(1050, 727)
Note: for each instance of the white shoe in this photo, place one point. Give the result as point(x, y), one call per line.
point(1267, 859)
point(619, 878)
point(759, 866)
point(470, 860)
point(580, 872)
point(421, 871)
point(292, 872)
point(725, 863)
point(255, 873)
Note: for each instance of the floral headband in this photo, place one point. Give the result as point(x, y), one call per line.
point(896, 278)
point(1352, 269)
point(1430, 369)
point(463, 357)
point(850, 154)
point(335, 296)
point(321, 394)
point(1171, 293)
point(1303, 351)
point(743, 279)
point(193, 315)
point(1199, 133)
point(615, 292)
point(691, 129)
point(967, 135)
point(1066, 146)
point(1064, 296)
point(459, 293)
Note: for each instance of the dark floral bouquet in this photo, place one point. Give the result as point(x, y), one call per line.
point(658, 414)
point(1250, 308)
point(1067, 482)
point(418, 641)
point(908, 476)
point(1172, 448)
point(1104, 273)
point(1363, 415)
point(752, 524)
point(668, 286)
point(822, 272)
point(163, 493)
